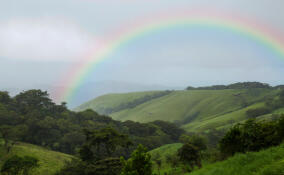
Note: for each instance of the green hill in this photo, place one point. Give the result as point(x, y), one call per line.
point(106, 103)
point(194, 109)
point(266, 162)
point(50, 161)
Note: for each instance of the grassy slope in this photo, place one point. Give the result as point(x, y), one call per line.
point(112, 100)
point(204, 105)
point(50, 161)
point(266, 162)
point(220, 121)
point(206, 108)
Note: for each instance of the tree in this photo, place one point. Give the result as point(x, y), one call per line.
point(232, 141)
point(11, 135)
point(196, 140)
point(251, 136)
point(189, 154)
point(19, 165)
point(30, 100)
point(139, 163)
point(102, 143)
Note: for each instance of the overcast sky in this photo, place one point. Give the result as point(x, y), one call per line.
point(41, 40)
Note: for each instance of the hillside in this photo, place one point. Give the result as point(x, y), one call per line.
point(50, 161)
point(106, 103)
point(193, 109)
point(266, 162)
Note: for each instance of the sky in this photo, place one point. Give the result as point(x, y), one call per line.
point(42, 40)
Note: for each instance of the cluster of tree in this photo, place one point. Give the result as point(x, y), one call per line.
point(102, 154)
point(271, 104)
point(240, 85)
point(134, 103)
point(252, 136)
point(32, 117)
point(16, 165)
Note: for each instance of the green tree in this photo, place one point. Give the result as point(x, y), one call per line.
point(139, 163)
point(196, 140)
point(189, 154)
point(102, 143)
point(232, 141)
point(251, 136)
point(19, 165)
point(12, 134)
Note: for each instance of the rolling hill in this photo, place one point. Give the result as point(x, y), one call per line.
point(50, 161)
point(194, 110)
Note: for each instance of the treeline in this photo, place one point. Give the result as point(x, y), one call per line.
point(134, 103)
point(240, 85)
point(32, 117)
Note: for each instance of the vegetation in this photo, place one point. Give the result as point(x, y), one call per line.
point(139, 163)
point(49, 161)
point(265, 162)
point(242, 138)
point(252, 136)
point(16, 165)
point(244, 85)
point(186, 108)
point(238, 122)
point(111, 103)
point(33, 118)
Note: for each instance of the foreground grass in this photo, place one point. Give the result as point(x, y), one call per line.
point(266, 162)
point(50, 161)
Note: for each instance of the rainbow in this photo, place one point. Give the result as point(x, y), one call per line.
point(242, 27)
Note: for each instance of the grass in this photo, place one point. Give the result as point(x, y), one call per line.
point(265, 162)
point(112, 100)
point(222, 107)
point(50, 161)
point(162, 152)
point(199, 110)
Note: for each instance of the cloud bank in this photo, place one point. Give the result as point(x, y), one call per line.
point(43, 39)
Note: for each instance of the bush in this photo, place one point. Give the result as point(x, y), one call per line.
point(139, 163)
point(19, 165)
point(251, 136)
